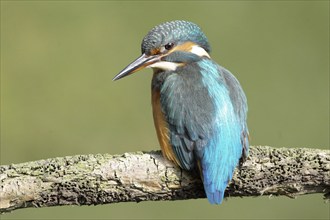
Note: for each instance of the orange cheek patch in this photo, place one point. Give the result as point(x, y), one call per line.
point(184, 47)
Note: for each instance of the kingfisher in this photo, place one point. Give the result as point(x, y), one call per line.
point(199, 107)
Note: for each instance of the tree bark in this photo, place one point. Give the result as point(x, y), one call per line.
point(141, 176)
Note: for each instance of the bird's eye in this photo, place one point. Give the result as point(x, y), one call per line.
point(169, 46)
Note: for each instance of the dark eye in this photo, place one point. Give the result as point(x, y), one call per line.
point(169, 46)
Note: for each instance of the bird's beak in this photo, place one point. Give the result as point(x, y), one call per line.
point(142, 62)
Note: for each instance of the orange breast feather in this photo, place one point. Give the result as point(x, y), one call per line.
point(162, 128)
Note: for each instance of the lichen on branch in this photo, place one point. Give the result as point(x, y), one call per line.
point(144, 176)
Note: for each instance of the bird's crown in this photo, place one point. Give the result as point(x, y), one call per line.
point(174, 32)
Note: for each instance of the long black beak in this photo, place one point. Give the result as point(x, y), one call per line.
point(138, 64)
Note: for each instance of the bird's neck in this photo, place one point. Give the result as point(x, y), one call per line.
point(188, 73)
point(158, 78)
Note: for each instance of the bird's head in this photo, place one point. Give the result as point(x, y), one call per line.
point(168, 46)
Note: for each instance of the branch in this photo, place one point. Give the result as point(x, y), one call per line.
point(141, 176)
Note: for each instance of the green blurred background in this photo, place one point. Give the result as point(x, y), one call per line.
point(57, 98)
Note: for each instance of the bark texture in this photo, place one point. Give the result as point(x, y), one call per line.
point(141, 176)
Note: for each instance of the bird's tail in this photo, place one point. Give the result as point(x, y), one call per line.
point(218, 164)
point(214, 191)
point(213, 195)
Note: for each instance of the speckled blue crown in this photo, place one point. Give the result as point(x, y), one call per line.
point(174, 32)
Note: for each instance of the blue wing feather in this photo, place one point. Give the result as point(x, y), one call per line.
point(225, 148)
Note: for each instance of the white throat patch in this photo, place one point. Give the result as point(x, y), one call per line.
point(164, 65)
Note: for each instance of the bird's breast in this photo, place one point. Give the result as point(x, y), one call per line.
point(161, 127)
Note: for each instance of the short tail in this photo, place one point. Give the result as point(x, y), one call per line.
point(215, 197)
point(214, 191)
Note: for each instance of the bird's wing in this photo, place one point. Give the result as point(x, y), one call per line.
point(187, 108)
point(238, 98)
point(227, 143)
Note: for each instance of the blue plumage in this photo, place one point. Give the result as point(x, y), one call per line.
point(199, 107)
point(224, 149)
point(204, 124)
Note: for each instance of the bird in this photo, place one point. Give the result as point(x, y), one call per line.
point(199, 107)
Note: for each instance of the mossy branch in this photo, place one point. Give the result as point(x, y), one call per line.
point(141, 176)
